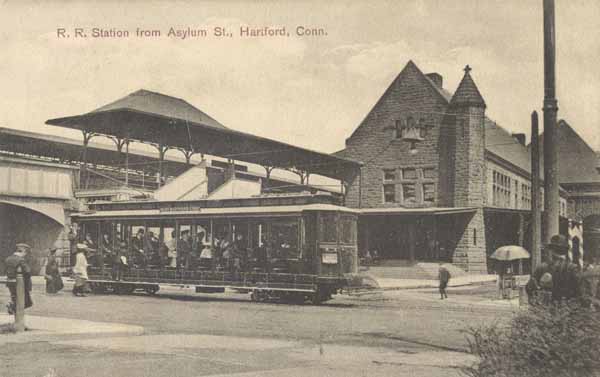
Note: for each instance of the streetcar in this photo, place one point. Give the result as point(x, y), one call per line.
point(290, 247)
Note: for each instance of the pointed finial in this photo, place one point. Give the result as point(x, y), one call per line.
point(467, 69)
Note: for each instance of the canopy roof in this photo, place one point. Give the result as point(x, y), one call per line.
point(70, 150)
point(156, 118)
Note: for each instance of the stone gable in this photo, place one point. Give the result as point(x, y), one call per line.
point(412, 95)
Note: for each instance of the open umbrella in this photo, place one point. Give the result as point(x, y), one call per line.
point(510, 252)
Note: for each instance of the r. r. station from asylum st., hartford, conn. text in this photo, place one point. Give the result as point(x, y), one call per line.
point(189, 32)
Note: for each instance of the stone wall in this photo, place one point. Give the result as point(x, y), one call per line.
point(469, 178)
point(374, 141)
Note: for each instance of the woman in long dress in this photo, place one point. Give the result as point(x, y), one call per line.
point(80, 271)
point(54, 281)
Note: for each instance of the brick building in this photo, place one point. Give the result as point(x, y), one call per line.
point(440, 181)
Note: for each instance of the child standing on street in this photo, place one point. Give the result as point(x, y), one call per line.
point(444, 277)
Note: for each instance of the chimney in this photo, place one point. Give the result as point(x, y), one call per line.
point(520, 138)
point(437, 79)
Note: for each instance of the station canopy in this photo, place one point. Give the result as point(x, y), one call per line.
point(151, 117)
point(62, 149)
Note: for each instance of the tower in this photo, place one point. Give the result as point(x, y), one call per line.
point(467, 108)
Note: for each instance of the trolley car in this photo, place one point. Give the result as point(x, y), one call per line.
point(298, 248)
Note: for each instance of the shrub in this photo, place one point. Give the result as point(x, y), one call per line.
point(542, 341)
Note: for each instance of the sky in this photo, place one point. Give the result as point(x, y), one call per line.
point(310, 91)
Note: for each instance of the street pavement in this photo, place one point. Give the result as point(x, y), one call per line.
point(179, 333)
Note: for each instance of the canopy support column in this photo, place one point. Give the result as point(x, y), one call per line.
point(120, 143)
point(162, 150)
point(83, 173)
point(344, 190)
point(126, 141)
point(188, 153)
point(303, 174)
point(268, 170)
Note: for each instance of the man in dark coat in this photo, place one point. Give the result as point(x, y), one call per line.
point(13, 263)
point(559, 277)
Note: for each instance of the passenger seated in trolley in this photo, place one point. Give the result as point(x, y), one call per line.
point(93, 251)
point(172, 250)
point(151, 249)
point(238, 253)
point(205, 251)
point(137, 245)
point(105, 250)
point(184, 250)
point(119, 260)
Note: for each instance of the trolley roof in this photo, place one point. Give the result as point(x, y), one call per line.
point(212, 212)
point(156, 118)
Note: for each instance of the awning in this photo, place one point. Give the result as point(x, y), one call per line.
point(417, 211)
point(156, 118)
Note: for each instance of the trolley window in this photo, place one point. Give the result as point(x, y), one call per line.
point(284, 238)
point(348, 230)
point(328, 227)
point(258, 242)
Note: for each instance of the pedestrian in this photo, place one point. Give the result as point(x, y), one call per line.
point(54, 281)
point(80, 271)
point(15, 261)
point(444, 277)
point(558, 279)
point(73, 237)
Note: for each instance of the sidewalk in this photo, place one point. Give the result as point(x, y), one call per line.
point(393, 284)
point(44, 326)
point(471, 301)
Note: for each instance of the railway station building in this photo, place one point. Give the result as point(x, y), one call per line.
point(442, 182)
point(433, 177)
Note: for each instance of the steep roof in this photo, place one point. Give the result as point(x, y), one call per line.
point(501, 143)
point(409, 68)
point(578, 161)
point(146, 101)
point(443, 92)
point(467, 92)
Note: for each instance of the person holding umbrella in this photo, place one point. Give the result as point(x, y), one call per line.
point(506, 255)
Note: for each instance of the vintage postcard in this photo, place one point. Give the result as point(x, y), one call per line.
point(299, 188)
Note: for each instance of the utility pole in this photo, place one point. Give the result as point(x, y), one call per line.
point(551, 194)
point(536, 226)
point(20, 301)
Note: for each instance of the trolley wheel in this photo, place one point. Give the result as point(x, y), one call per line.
point(98, 288)
point(152, 289)
point(315, 298)
point(124, 289)
point(259, 296)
